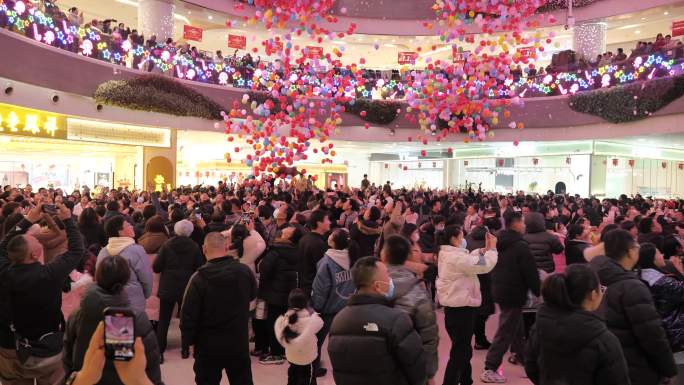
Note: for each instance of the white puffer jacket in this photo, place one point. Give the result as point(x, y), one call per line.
point(457, 283)
point(303, 349)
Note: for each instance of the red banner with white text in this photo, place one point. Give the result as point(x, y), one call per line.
point(192, 33)
point(237, 41)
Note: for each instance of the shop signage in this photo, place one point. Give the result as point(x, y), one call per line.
point(274, 47)
point(26, 122)
point(192, 33)
point(407, 57)
point(314, 52)
point(526, 52)
point(677, 28)
point(237, 41)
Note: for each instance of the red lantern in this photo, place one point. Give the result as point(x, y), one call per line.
point(535, 161)
point(615, 162)
point(664, 164)
point(386, 165)
point(500, 162)
point(631, 162)
point(405, 168)
point(681, 166)
point(568, 160)
point(465, 163)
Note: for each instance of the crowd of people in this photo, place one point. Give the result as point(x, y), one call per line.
point(588, 291)
point(119, 44)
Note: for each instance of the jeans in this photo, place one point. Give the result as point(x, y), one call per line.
point(321, 335)
point(300, 375)
point(509, 334)
point(165, 315)
point(274, 311)
point(458, 322)
point(208, 369)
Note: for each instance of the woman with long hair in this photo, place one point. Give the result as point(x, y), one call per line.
point(575, 244)
point(569, 344)
point(155, 235)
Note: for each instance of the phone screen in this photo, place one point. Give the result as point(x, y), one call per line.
point(119, 335)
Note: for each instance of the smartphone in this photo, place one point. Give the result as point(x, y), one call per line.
point(198, 214)
point(50, 209)
point(119, 334)
point(246, 219)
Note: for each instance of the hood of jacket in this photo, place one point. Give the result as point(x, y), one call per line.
point(592, 252)
point(535, 223)
point(117, 244)
point(566, 331)
point(506, 238)
point(341, 257)
point(610, 271)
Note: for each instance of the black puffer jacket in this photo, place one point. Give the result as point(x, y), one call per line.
point(630, 314)
point(215, 312)
point(542, 244)
point(176, 261)
point(668, 296)
point(312, 248)
point(82, 324)
point(278, 272)
point(476, 240)
point(573, 348)
point(374, 344)
point(515, 272)
point(365, 233)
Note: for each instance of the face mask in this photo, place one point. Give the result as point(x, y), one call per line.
point(390, 292)
point(463, 243)
point(439, 227)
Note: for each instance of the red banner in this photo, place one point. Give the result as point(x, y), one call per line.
point(273, 47)
point(407, 57)
point(527, 52)
point(237, 41)
point(677, 28)
point(192, 33)
point(314, 52)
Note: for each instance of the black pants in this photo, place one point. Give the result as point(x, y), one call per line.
point(480, 326)
point(300, 375)
point(458, 322)
point(208, 369)
point(260, 334)
point(274, 311)
point(509, 334)
point(321, 335)
point(165, 315)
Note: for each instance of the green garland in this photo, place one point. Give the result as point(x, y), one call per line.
point(631, 102)
point(377, 111)
point(159, 94)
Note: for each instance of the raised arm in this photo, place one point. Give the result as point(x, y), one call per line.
point(61, 266)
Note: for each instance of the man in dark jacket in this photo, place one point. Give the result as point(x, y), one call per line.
point(542, 243)
point(631, 315)
point(513, 276)
point(312, 247)
point(215, 316)
point(30, 285)
point(177, 260)
point(370, 342)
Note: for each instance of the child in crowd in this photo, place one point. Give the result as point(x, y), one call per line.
point(296, 331)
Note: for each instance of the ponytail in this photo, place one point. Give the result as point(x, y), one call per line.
point(288, 333)
point(297, 301)
point(568, 290)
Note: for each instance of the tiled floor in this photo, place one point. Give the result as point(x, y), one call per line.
point(179, 372)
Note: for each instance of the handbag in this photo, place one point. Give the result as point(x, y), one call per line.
point(47, 345)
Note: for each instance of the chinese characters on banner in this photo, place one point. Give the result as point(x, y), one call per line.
point(237, 41)
point(274, 46)
point(677, 28)
point(407, 57)
point(192, 33)
point(527, 52)
point(314, 52)
point(26, 122)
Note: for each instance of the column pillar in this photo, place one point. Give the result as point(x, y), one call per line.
point(589, 39)
point(597, 180)
point(155, 17)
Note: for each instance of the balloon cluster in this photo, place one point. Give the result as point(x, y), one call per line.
point(463, 96)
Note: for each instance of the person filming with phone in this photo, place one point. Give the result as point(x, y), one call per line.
point(29, 284)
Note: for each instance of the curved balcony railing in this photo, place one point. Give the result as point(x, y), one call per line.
point(90, 42)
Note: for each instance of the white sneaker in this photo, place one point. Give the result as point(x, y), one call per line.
point(492, 377)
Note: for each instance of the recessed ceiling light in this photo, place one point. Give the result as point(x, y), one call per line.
point(666, 13)
point(643, 18)
point(189, 12)
point(211, 17)
point(637, 32)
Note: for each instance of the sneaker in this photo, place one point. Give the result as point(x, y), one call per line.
point(492, 377)
point(272, 360)
point(515, 359)
point(258, 353)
